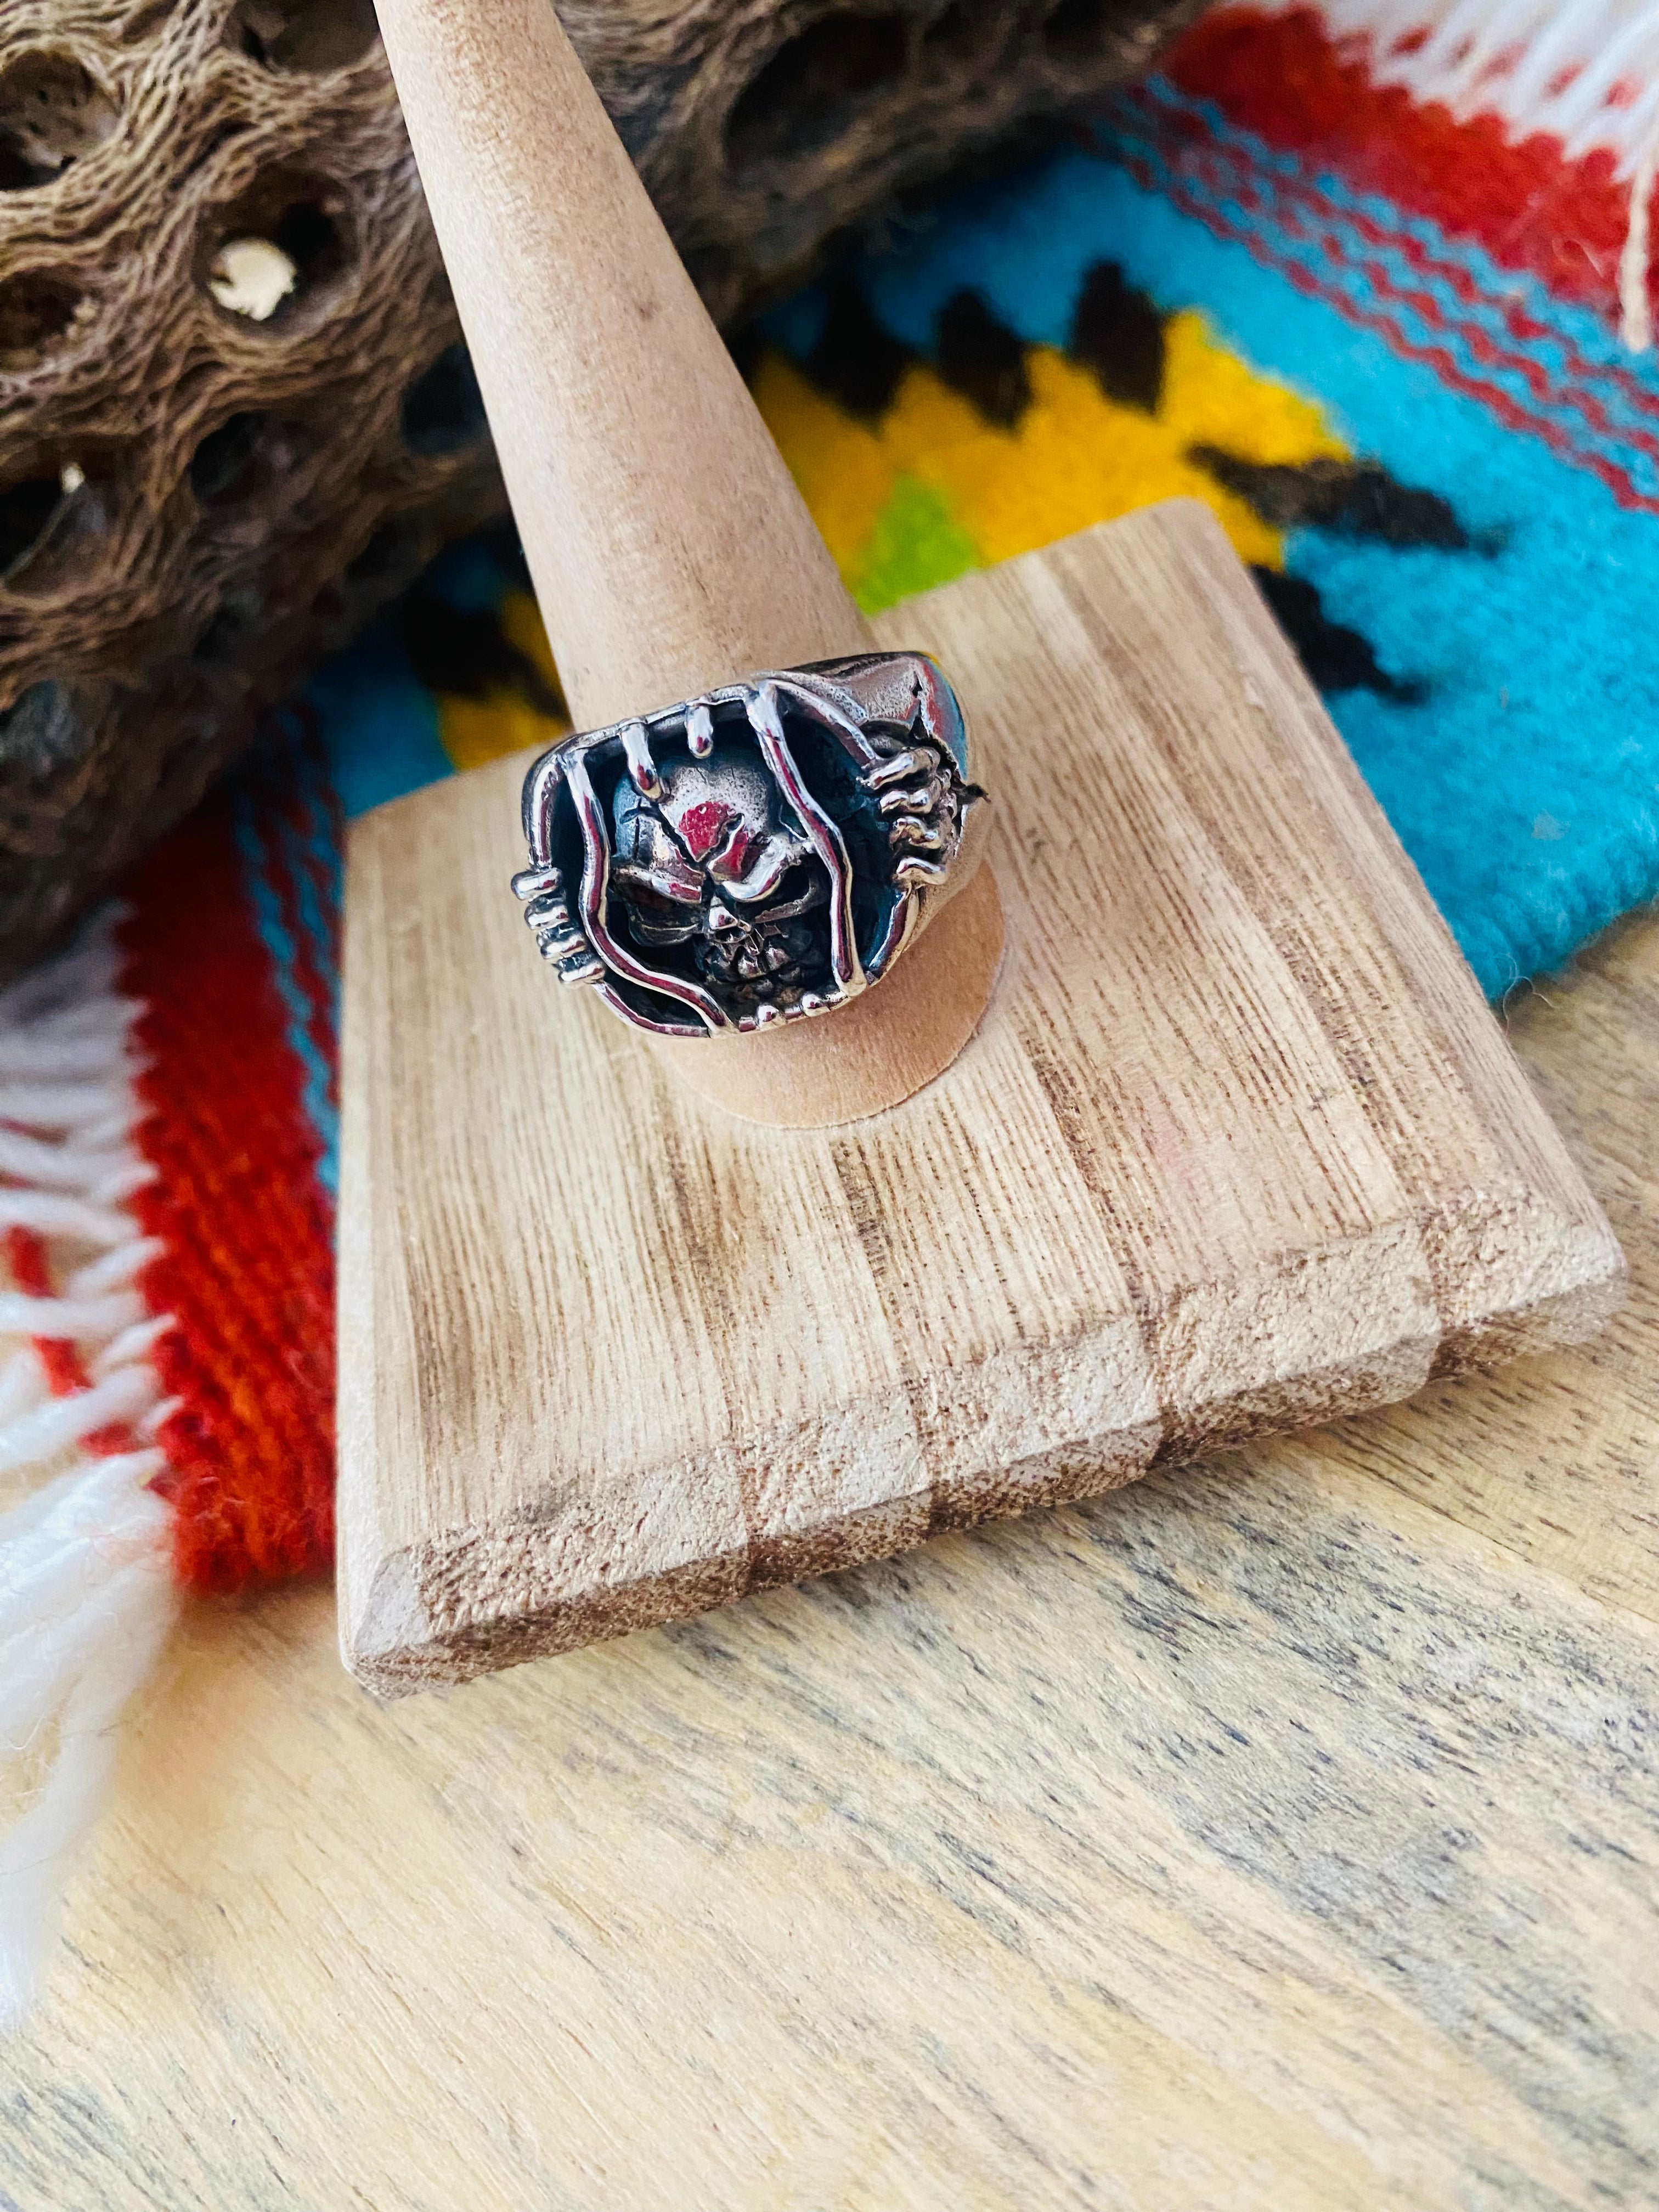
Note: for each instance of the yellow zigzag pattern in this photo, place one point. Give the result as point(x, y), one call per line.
point(934, 489)
point(1076, 457)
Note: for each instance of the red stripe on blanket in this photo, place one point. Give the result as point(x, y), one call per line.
point(248, 1271)
point(1298, 204)
point(1438, 358)
point(1300, 209)
point(1283, 77)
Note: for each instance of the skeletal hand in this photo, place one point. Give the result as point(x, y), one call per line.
point(557, 938)
point(919, 802)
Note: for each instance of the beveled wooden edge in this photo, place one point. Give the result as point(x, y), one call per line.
point(470, 1601)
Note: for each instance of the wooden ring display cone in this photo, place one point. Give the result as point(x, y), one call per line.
point(670, 547)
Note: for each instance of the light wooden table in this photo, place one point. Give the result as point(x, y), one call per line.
point(1281, 1834)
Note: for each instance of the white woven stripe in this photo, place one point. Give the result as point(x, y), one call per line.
point(1583, 71)
point(86, 1584)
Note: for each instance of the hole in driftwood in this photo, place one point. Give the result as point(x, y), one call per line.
point(305, 35)
point(394, 556)
point(813, 86)
point(41, 732)
point(26, 508)
point(279, 249)
point(228, 458)
point(958, 32)
point(249, 454)
point(48, 517)
point(35, 310)
point(52, 112)
point(443, 410)
point(1076, 29)
point(237, 617)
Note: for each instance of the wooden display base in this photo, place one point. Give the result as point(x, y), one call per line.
point(1236, 1145)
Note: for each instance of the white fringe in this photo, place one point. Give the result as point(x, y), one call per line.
point(86, 1585)
point(1585, 72)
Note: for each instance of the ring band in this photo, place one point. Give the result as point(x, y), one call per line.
point(757, 854)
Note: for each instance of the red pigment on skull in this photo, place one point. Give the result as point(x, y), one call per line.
point(701, 826)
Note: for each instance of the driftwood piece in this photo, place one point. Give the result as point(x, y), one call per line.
point(235, 415)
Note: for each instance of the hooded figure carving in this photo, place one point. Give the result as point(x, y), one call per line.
point(763, 853)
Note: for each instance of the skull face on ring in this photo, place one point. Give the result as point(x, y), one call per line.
point(762, 853)
point(714, 860)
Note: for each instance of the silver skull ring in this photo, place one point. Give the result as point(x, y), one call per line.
point(760, 854)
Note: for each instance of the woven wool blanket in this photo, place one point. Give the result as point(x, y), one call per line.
point(1374, 282)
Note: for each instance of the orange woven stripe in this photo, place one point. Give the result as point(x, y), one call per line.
point(247, 1271)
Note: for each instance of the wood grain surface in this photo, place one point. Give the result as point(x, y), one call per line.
point(1235, 1146)
point(1277, 1837)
